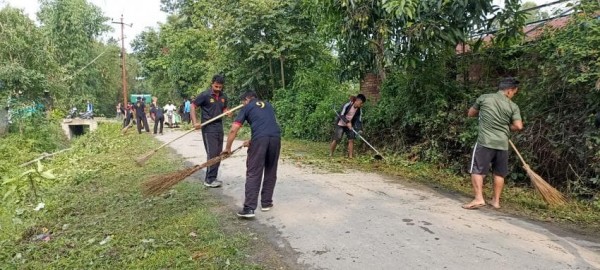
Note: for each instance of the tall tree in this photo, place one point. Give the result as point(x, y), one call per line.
point(72, 26)
point(25, 65)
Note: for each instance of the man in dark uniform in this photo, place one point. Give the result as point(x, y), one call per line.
point(157, 115)
point(212, 102)
point(140, 115)
point(263, 152)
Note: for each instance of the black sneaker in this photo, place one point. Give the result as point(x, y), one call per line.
point(266, 208)
point(246, 213)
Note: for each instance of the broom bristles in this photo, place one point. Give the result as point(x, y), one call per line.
point(142, 159)
point(161, 183)
point(550, 195)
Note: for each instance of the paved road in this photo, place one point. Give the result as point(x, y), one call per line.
point(360, 220)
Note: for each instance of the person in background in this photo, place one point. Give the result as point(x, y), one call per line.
point(263, 152)
point(186, 110)
point(498, 116)
point(119, 111)
point(170, 111)
point(157, 115)
point(349, 119)
point(140, 115)
point(89, 107)
point(128, 113)
point(212, 102)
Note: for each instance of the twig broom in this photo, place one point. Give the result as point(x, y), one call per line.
point(550, 195)
point(141, 160)
point(124, 130)
point(161, 183)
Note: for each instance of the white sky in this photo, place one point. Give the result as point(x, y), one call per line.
point(142, 13)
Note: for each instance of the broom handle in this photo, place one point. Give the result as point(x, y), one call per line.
point(203, 124)
point(518, 154)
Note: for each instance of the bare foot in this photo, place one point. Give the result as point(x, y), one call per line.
point(473, 205)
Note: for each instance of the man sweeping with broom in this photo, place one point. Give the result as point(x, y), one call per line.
point(263, 152)
point(498, 115)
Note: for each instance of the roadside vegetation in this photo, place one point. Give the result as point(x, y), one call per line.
point(421, 64)
point(87, 211)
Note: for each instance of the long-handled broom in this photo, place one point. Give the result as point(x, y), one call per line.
point(141, 160)
point(551, 195)
point(161, 183)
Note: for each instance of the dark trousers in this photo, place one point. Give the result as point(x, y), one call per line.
point(128, 118)
point(263, 156)
point(159, 121)
point(186, 117)
point(213, 144)
point(142, 121)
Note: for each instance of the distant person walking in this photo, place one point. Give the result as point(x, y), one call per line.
point(498, 115)
point(186, 110)
point(211, 103)
point(263, 152)
point(157, 115)
point(348, 119)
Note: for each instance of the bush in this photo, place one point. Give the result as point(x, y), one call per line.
point(305, 110)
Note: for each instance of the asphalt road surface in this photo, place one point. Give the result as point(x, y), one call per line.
point(358, 220)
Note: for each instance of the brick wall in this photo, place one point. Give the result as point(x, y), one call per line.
point(370, 85)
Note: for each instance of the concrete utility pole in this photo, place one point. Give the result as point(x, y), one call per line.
point(123, 67)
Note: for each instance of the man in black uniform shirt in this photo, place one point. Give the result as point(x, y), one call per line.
point(211, 102)
point(157, 115)
point(263, 152)
point(140, 115)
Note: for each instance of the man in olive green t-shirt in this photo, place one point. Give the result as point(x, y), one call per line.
point(498, 115)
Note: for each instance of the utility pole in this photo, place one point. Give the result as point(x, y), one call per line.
point(123, 67)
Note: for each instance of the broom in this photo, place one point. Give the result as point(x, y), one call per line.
point(124, 130)
point(549, 193)
point(161, 183)
point(142, 159)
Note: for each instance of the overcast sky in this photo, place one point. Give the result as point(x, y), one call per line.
point(142, 13)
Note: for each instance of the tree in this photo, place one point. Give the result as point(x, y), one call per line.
point(25, 65)
point(72, 27)
point(533, 15)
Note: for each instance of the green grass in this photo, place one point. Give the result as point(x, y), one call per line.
point(97, 218)
point(521, 201)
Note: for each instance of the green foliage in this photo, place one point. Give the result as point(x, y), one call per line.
point(373, 35)
point(305, 110)
point(95, 217)
point(422, 111)
point(61, 57)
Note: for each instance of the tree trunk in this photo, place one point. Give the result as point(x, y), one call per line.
point(272, 77)
point(281, 59)
point(380, 57)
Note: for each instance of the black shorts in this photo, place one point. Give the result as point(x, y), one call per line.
point(339, 131)
point(485, 158)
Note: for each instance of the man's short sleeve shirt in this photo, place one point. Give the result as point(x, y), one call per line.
point(496, 114)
